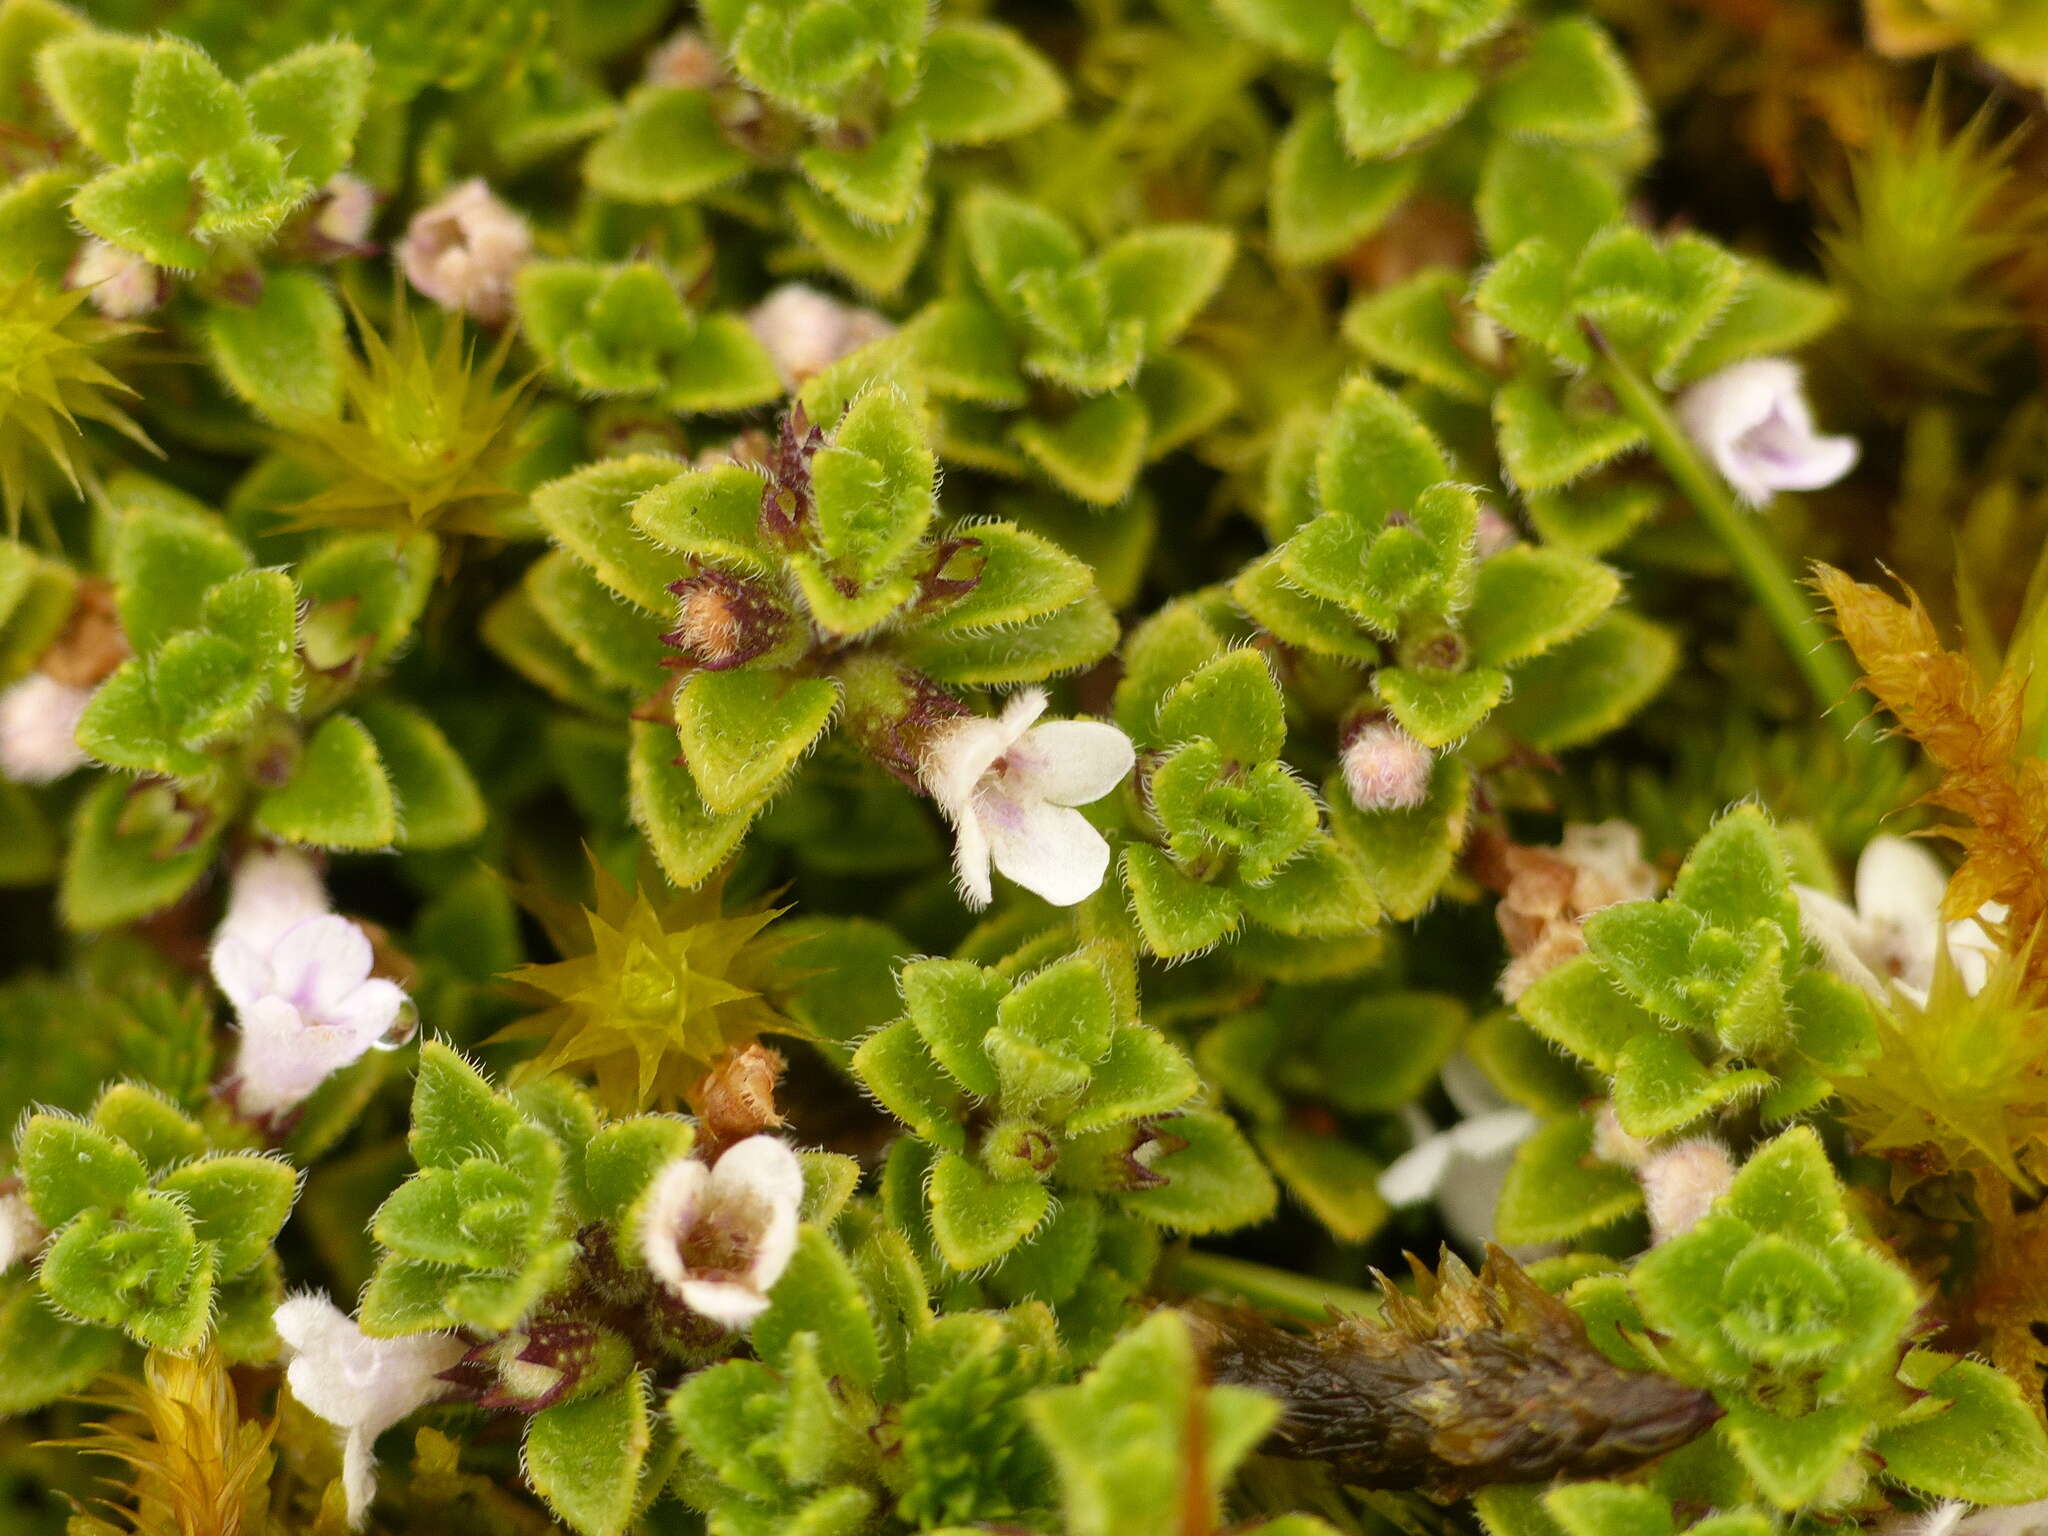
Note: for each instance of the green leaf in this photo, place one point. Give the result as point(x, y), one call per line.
point(743, 731)
point(722, 367)
point(183, 106)
point(131, 853)
point(1304, 30)
point(1164, 274)
point(878, 261)
point(1557, 1190)
point(282, 354)
point(1178, 916)
point(588, 512)
point(817, 1295)
point(148, 1124)
point(1794, 1458)
point(1527, 601)
point(690, 841)
point(584, 1457)
point(1437, 707)
point(666, 147)
point(1213, 1184)
point(89, 77)
point(70, 1166)
point(1322, 201)
point(1417, 327)
point(1076, 636)
point(1985, 1446)
point(1095, 450)
point(312, 101)
point(1406, 854)
point(1591, 685)
point(238, 1202)
point(1529, 189)
point(983, 83)
point(439, 804)
point(168, 551)
point(1232, 701)
point(1577, 1007)
point(878, 182)
point(456, 1114)
point(952, 1006)
point(1377, 457)
point(42, 1356)
point(1661, 1087)
point(1773, 314)
point(712, 514)
point(963, 350)
point(873, 484)
point(338, 796)
point(1387, 102)
point(1571, 85)
point(976, 1219)
point(892, 1065)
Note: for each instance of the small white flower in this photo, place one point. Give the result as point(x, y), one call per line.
point(719, 1237)
point(121, 284)
point(361, 1384)
point(1895, 931)
point(1008, 785)
point(1682, 1182)
point(1385, 768)
point(39, 729)
point(805, 331)
point(299, 977)
point(1753, 421)
point(348, 211)
point(1952, 1518)
point(464, 249)
point(20, 1233)
point(1463, 1168)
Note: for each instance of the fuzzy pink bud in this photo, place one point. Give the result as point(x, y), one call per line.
point(121, 284)
point(1385, 768)
point(1681, 1183)
point(464, 249)
point(39, 729)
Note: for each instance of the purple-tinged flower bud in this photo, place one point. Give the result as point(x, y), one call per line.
point(1681, 1183)
point(464, 249)
point(725, 621)
point(532, 1369)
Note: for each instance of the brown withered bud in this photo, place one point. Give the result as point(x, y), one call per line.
point(786, 501)
point(1475, 1380)
point(725, 621)
point(91, 644)
point(736, 1098)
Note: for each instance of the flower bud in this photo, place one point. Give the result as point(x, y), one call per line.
point(532, 1369)
point(806, 331)
point(736, 1098)
point(347, 209)
point(121, 284)
point(686, 62)
point(1681, 1183)
point(725, 621)
point(20, 1233)
point(1385, 768)
point(39, 729)
point(464, 249)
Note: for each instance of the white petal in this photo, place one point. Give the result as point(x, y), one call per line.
point(763, 1173)
point(281, 1058)
point(366, 1015)
point(971, 861)
point(359, 1475)
point(1899, 881)
point(321, 961)
point(39, 729)
point(1486, 1137)
point(274, 891)
point(1972, 950)
point(20, 1233)
point(1050, 850)
point(311, 1323)
point(667, 1212)
point(1470, 1088)
point(240, 970)
point(1071, 762)
point(1415, 1176)
point(1834, 926)
point(729, 1303)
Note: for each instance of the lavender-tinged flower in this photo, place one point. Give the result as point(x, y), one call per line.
point(120, 283)
point(1681, 1184)
point(718, 1237)
point(360, 1384)
point(348, 208)
point(1753, 421)
point(299, 978)
point(39, 729)
point(464, 249)
point(1008, 785)
point(805, 331)
point(1895, 934)
point(1385, 768)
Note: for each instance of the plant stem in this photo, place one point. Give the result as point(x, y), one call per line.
point(1297, 1295)
point(1821, 658)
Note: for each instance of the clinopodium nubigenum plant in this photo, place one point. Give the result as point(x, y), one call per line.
point(814, 767)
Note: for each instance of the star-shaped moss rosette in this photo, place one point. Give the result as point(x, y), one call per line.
point(52, 379)
point(831, 111)
point(1711, 998)
point(1419, 86)
point(650, 993)
point(1801, 1324)
point(1052, 361)
point(248, 701)
point(766, 602)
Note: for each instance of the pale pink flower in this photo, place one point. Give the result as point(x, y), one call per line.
point(39, 729)
point(464, 249)
point(360, 1384)
point(1753, 421)
point(1008, 785)
point(299, 978)
point(719, 1237)
point(347, 211)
